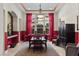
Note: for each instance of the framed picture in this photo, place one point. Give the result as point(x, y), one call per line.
point(77, 22)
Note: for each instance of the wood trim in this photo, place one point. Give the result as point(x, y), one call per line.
point(77, 22)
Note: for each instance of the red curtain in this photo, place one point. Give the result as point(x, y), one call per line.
point(51, 25)
point(28, 23)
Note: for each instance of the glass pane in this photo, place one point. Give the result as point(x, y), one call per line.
point(40, 23)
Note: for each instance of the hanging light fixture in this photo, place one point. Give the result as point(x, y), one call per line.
point(40, 11)
point(40, 15)
point(40, 8)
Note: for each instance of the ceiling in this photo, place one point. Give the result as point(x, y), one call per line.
point(36, 6)
point(44, 6)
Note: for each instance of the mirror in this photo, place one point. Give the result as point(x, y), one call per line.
point(10, 24)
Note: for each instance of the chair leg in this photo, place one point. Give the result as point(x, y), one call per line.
point(29, 45)
point(46, 45)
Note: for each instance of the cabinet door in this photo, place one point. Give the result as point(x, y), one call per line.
point(70, 33)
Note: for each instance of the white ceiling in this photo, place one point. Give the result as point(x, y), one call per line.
point(36, 6)
point(44, 6)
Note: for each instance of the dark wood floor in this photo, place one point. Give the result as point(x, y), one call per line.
point(25, 51)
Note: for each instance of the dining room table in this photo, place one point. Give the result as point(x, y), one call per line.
point(37, 42)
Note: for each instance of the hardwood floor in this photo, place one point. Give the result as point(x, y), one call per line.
point(52, 50)
point(22, 50)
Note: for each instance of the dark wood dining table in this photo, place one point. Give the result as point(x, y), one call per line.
point(37, 42)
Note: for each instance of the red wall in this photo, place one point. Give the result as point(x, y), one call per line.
point(28, 23)
point(22, 35)
point(5, 40)
point(51, 26)
point(76, 38)
point(11, 41)
point(55, 34)
point(15, 39)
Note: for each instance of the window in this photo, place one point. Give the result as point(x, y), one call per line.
point(40, 23)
